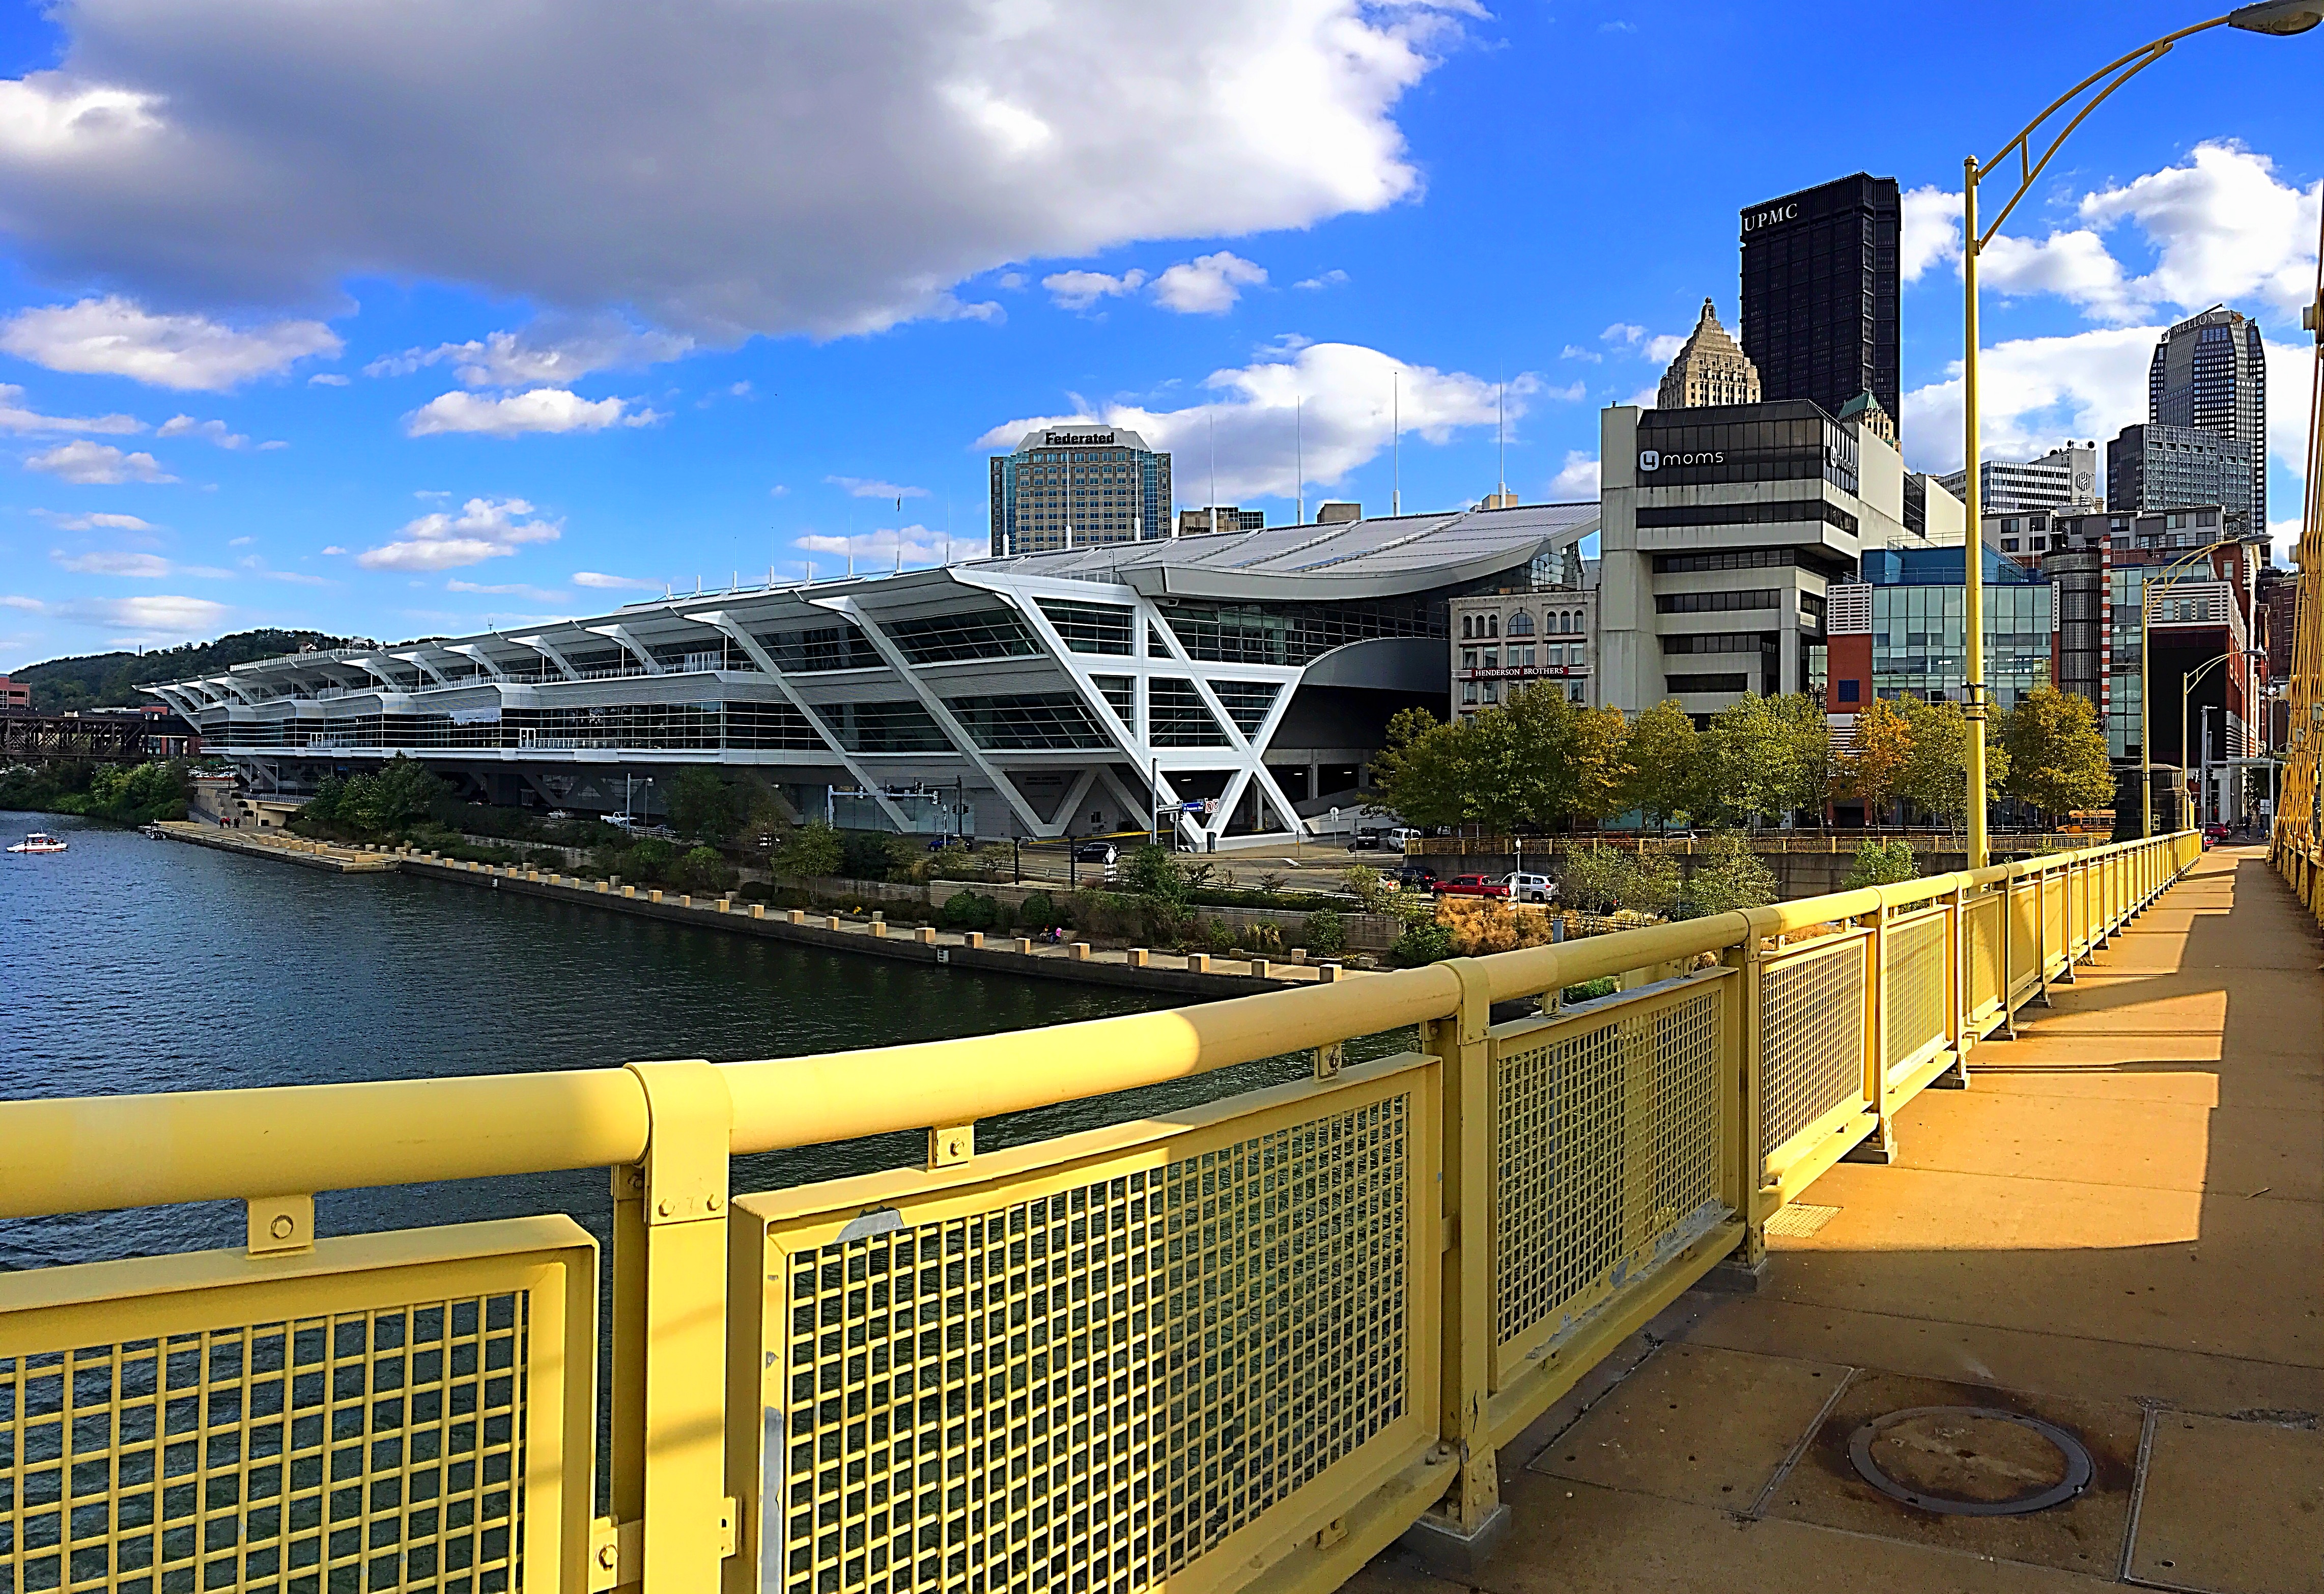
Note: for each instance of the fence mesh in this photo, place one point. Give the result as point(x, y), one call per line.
point(1915, 992)
point(1088, 1390)
point(1983, 949)
point(373, 1451)
point(1811, 1039)
point(1607, 1140)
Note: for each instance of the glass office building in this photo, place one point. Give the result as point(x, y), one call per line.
point(1820, 292)
point(1903, 632)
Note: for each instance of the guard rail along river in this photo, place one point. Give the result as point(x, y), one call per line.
point(1246, 1345)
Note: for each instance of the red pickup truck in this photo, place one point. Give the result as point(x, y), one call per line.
point(1470, 886)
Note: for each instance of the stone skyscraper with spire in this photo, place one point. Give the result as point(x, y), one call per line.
point(1711, 368)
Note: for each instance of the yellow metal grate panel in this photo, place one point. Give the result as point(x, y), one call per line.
point(1811, 1039)
point(2053, 923)
point(1089, 1389)
point(2024, 938)
point(1915, 989)
point(1984, 952)
point(1608, 1143)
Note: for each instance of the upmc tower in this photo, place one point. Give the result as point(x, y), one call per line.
point(1820, 292)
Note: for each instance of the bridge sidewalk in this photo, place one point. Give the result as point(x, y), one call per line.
point(2117, 1230)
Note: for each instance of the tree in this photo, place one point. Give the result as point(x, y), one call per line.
point(1418, 772)
point(1665, 755)
point(1773, 755)
point(1872, 765)
point(1936, 774)
point(1729, 876)
point(813, 848)
point(1600, 762)
point(1881, 863)
point(2057, 752)
point(702, 805)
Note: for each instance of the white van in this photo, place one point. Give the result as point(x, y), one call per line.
point(1393, 838)
point(1530, 888)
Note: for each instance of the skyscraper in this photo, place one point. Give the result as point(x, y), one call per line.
point(1709, 369)
point(2210, 373)
point(1073, 487)
point(2156, 466)
point(1820, 291)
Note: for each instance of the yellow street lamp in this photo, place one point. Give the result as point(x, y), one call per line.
point(2279, 17)
point(2148, 592)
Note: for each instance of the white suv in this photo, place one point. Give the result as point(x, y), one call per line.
point(1530, 888)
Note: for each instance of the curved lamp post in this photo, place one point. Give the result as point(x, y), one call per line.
point(2148, 593)
point(2187, 680)
point(2278, 17)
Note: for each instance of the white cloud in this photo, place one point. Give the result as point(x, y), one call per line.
point(151, 619)
point(297, 578)
point(1347, 422)
point(1574, 351)
point(240, 542)
point(1931, 231)
point(1330, 279)
point(96, 523)
point(142, 566)
point(1078, 290)
point(212, 432)
point(509, 589)
point(867, 487)
point(328, 379)
point(2222, 228)
point(544, 409)
point(721, 170)
point(2074, 266)
point(14, 417)
point(1577, 479)
point(97, 464)
point(1627, 332)
point(116, 336)
point(1663, 348)
point(1208, 284)
point(2283, 535)
point(486, 528)
point(876, 550)
point(334, 548)
point(1573, 392)
point(2033, 394)
point(556, 352)
point(604, 582)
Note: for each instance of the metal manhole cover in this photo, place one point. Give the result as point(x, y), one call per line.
point(1970, 1461)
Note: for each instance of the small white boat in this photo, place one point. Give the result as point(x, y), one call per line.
point(40, 841)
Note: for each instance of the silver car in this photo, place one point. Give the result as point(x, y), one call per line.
point(1530, 888)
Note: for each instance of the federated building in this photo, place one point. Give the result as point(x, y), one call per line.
point(1231, 682)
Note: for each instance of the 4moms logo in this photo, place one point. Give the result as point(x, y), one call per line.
point(1652, 459)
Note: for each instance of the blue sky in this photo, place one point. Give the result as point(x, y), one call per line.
point(400, 319)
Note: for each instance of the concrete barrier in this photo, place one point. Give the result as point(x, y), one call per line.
point(1138, 957)
point(927, 933)
point(1079, 950)
point(1200, 962)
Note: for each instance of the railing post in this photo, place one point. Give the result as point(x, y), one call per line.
point(1958, 996)
point(1880, 1145)
point(1746, 1062)
point(675, 1452)
point(1471, 1519)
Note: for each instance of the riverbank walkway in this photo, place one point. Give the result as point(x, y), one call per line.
point(2117, 1230)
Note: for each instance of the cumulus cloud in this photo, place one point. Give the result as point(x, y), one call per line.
point(544, 409)
point(875, 550)
point(92, 464)
point(2032, 392)
point(604, 582)
point(116, 336)
point(146, 620)
point(328, 379)
point(15, 417)
point(1576, 479)
point(1931, 231)
point(720, 170)
point(486, 528)
point(211, 431)
point(97, 522)
point(1078, 290)
point(859, 486)
point(1255, 411)
point(1330, 279)
point(1208, 284)
point(556, 352)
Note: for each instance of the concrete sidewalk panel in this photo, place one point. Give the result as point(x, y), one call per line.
point(2231, 1507)
point(2082, 1534)
point(1697, 1423)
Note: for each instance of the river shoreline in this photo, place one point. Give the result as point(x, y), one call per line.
point(1195, 974)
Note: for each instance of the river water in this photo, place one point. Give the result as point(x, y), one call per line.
point(135, 964)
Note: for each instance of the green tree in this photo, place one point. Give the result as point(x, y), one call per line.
point(1665, 755)
point(813, 848)
point(1591, 878)
point(2057, 752)
point(1418, 773)
point(1773, 755)
point(1935, 774)
point(1729, 876)
point(1873, 762)
point(702, 806)
point(1881, 863)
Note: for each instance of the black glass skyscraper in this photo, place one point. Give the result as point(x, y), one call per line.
point(1819, 290)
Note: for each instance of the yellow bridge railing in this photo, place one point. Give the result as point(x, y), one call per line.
point(1241, 1346)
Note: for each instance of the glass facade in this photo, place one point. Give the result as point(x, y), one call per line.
point(1820, 292)
point(1177, 716)
point(1089, 485)
point(1744, 443)
point(1920, 642)
point(947, 639)
point(1784, 512)
point(1089, 627)
point(1028, 722)
point(1295, 634)
point(883, 728)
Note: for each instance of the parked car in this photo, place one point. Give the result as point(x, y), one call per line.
point(1471, 885)
point(1396, 836)
point(2217, 832)
point(1364, 841)
point(1413, 878)
point(1094, 852)
point(1530, 888)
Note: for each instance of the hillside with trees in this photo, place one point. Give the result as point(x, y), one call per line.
point(110, 681)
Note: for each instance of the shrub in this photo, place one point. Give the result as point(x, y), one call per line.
point(1369, 886)
point(967, 909)
point(1730, 875)
point(1037, 911)
point(1477, 927)
point(1217, 935)
point(813, 848)
point(1589, 990)
point(650, 859)
point(1881, 863)
point(1326, 932)
point(865, 855)
point(703, 870)
point(1422, 942)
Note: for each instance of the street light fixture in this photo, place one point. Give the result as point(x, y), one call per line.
point(2187, 680)
point(2280, 18)
point(2148, 592)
